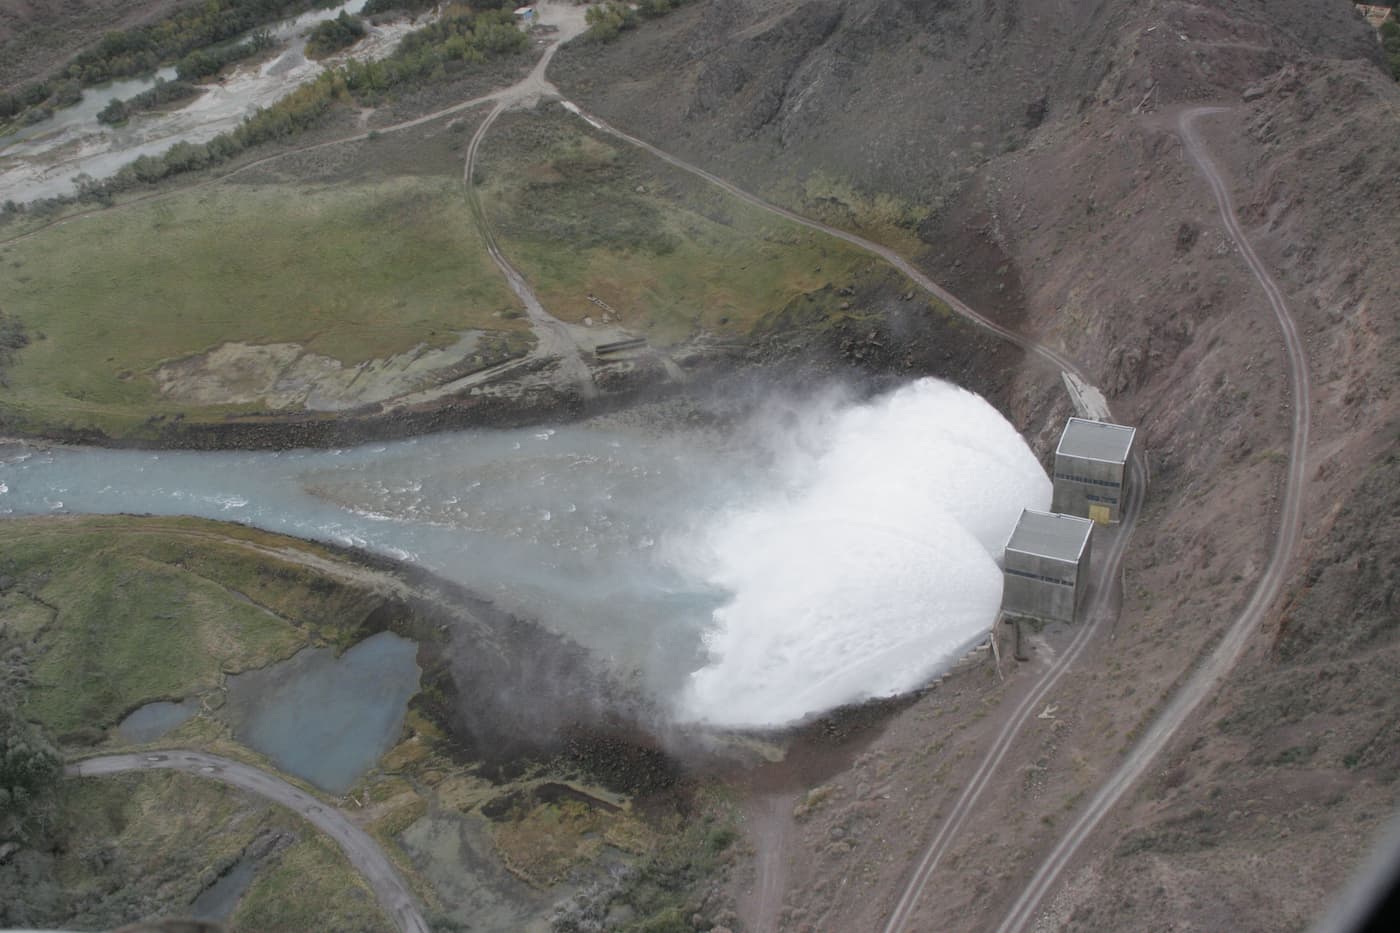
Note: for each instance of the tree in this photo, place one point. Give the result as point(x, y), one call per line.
point(334, 34)
point(29, 766)
point(606, 21)
point(1390, 41)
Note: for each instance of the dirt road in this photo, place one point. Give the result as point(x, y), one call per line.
point(553, 338)
point(1102, 606)
point(1266, 590)
point(870, 246)
point(364, 853)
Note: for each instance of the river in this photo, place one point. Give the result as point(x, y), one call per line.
point(42, 160)
point(816, 553)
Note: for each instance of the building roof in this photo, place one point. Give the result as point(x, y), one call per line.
point(1096, 440)
point(1049, 534)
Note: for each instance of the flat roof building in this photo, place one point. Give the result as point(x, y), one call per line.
point(1045, 568)
point(1091, 468)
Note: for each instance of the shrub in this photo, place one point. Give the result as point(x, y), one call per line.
point(335, 34)
point(607, 21)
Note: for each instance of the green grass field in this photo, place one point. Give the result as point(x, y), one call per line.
point(116, 612)
point(353, 271)
point(581, 214)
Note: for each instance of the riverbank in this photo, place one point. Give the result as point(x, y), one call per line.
point(491, 805)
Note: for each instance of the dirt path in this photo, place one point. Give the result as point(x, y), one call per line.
point(1220, 661)
point(1102, 604)
point(770, 823)
point(553, 338)
point(870, 246)
point(364, 853)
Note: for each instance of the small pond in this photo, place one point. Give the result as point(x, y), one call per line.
point(154, 720)
point(324, 718)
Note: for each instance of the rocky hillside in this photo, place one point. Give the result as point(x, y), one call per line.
point(913, 96)
point(1033, 148)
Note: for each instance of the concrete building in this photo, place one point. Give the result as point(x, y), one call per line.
point(1045, 568)
point(1090, 469)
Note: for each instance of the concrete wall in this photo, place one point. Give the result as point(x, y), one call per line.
point(1082, 577)
point(1034, 595)
point(1095, 483)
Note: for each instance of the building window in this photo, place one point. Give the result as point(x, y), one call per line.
point(1035, 576)
point(1070, 477)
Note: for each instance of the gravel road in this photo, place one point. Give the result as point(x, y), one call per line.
point(1266, 590)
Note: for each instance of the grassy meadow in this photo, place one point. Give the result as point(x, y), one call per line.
point(353, 271)
point(116, 612)
point(581, 214)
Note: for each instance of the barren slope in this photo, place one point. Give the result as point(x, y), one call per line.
point(37, 36)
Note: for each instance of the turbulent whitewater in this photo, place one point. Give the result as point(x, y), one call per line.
point(815, 554)
point(872, 563)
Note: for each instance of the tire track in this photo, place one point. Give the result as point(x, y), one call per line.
point(553, 337)
point(1224, 657)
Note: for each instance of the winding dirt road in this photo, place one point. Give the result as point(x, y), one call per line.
point(364, 853)
point(1208, 676)
point(552, 335)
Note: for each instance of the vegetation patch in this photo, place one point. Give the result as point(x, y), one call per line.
point(354, 273)
point(544, 837)
point(1390, 41)
point(309, 886)
point(1191, 832)
point(667, 888)
point(334, 34)
point(607, 21)
point(162, 94)
point(581, 216)
point(143, 845)
point(128, 628)
point(109, 613)
point(142, 49)
point(450, 46)
point(882, 217)
point(205, 63)
point(120, 846)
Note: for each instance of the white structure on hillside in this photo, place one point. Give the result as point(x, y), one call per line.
point(1045, 568)
point(1090, 469)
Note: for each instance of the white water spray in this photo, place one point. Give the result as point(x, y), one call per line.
point(872, 563)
